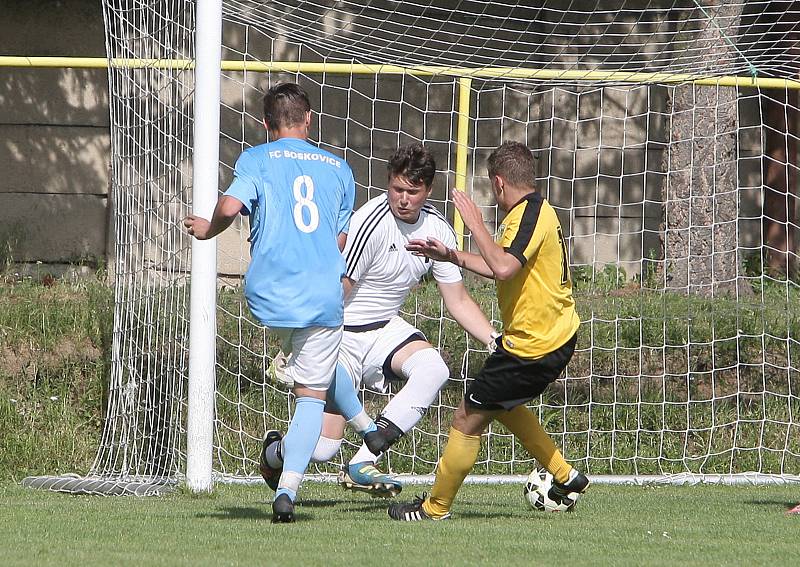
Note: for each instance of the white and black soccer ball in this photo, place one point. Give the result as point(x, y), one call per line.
point(537, 488)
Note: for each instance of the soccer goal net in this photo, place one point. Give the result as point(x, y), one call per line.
point(665, 135)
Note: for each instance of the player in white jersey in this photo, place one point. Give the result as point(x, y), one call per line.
point(378, 345)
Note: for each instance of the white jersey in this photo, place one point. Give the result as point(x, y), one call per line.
point(382, 270)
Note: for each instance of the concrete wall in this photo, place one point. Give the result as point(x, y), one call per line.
point(55, 151)
point(54, 135)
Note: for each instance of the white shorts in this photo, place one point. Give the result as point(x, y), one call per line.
point(363, 354)
point(311, 355)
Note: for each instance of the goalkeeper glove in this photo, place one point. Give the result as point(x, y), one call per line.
point(277, 370)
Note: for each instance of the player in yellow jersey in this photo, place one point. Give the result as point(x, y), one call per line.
point(534, 290)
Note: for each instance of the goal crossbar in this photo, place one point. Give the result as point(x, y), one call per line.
point(739, 81)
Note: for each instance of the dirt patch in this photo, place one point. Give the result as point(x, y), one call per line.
point(25, 360)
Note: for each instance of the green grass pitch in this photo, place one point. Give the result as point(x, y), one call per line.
point(613, 525)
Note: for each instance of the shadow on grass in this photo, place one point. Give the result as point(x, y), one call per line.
point(238, 513)
point(311, 503)
point(377, 506)
point(781, 504)
point(381, 505)
point(480, 515)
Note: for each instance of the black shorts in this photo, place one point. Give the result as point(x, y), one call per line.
point(507, 381)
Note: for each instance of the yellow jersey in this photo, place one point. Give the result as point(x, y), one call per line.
point(536, 305)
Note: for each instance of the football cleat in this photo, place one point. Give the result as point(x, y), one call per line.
point(376, 442)
point(577, 482)
point(270, 474)
point(364, 477)
point(282, 510)
point(412, 511)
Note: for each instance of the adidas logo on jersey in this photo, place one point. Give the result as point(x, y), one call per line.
point(392, 247)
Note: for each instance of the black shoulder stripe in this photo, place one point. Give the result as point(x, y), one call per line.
point(527, 224)
point(434, 211)
point(358, 236)
point(362, 237)
point(518, 255)
point(372, 218)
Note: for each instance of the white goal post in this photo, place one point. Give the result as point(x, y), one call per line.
point(665, 135)
point(203, 298)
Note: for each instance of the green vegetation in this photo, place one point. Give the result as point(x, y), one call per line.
point(613, 525)
point(55, 340)
point(628, 381)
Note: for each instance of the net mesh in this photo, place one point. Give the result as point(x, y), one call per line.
point(679, 203)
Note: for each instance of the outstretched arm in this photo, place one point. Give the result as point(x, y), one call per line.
point(501, 264)
point(492, 262)
point(466, 312)
point(437, 250)
point(226, 210)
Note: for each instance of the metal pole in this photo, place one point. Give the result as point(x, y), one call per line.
point(462, 135)
point(203, 300)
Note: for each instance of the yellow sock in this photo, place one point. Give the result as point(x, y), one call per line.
point(456, 462)
point(524, 425)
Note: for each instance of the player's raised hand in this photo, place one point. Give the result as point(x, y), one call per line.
point(197, 226)
point(430, 247)
point(469, 211)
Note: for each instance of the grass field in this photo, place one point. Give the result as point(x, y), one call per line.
point(55, 347)
point(613, 525)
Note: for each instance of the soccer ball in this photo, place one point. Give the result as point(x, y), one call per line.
point(536, 489)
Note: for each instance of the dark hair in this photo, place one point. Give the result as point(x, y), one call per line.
point(285, 105)
point(414, 162)
point(513, 161)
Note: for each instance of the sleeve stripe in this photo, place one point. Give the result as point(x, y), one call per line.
point(362, 237)
point(353, 239)
point(527, 225)
point(519, 256)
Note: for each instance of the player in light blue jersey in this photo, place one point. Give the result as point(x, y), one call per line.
point(299, 199)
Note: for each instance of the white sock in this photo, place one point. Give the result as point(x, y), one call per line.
point(290, 481)
point(325, 450)
point(361, 423)
point(274, 455)
point(364, 455)
point(426, 374)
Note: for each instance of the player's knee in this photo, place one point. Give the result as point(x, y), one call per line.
point(325, 449)
point(426, 364)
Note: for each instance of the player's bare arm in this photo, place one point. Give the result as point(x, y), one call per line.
point(437, 250)
point(466, 312)
point(501, 264)
point(226, 210)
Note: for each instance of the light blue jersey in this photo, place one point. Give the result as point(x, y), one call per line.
point(299, 199)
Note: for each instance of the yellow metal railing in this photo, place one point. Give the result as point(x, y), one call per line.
point(464, 75)
point(419, 70)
